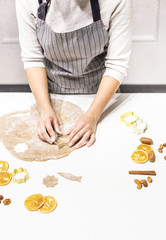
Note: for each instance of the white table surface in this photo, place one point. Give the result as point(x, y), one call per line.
point(106, 204)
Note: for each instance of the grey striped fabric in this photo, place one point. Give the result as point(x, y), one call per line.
point(75, 61)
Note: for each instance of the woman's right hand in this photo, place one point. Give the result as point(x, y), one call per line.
point(48, 126)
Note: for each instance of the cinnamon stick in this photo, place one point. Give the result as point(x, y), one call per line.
point(142, 172)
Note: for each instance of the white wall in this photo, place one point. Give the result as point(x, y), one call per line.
point(11, 67)
point(148, 59)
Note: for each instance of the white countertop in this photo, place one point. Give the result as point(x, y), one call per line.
point(106, 204)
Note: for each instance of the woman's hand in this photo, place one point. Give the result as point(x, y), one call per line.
point(85, 128)
point(47, 126)
point(83, 132)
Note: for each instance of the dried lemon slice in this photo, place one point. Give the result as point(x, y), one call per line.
point(5, 178)
point(4, 166)
point(34, 202)
point(49, 204)
point(146, 148)
point(139, 156)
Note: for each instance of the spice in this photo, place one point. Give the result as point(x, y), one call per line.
point(146, 140)
point(139, 186)
point(142, 172)
point(137, 181)
point(160, 150)
point(151, 156)
point(7, 201)
point(149, 179)
point(145, 183)
point(1, 197)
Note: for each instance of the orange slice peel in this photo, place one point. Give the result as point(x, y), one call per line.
point(49, 204)
point(144, 147)
point(5, 178)
point(139, 156)
point(34, 202)
point(4, 166)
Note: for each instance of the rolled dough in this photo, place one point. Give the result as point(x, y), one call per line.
point(21, 127)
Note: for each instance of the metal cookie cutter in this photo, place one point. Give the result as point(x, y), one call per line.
point(140, 126)
point(123, 116)
point(21, 180)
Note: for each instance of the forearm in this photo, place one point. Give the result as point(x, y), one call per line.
point(85, 128)
point(37, 79)
point(107, 89)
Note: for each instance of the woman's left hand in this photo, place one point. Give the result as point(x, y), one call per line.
point(83, 132)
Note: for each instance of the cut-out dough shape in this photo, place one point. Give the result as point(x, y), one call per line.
point(50, 181)
point(70, 176)
point(15, 130)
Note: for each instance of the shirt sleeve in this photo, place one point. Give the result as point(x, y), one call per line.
point(120, 41)
point(31, 50)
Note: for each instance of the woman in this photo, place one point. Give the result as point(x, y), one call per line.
point(74, 47)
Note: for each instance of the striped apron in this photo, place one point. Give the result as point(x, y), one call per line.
point(75, 61)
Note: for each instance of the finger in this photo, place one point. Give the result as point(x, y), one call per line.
point(77, 128)
point(44, 133)
point(39, 134)
point(77, 137)
point(71, 129)
point(92, 140)
point(56, 126)
point(83, 140)
point(50, 131)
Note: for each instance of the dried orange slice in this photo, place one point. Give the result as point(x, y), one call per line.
point(34, 202)
point(4, 166)
point(49, 204)
point(146, 148)
point(139, 156)
point(5, 178)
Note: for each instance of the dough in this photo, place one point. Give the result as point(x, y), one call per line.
point(21, 127)
point(70, 176)
point(50, 181)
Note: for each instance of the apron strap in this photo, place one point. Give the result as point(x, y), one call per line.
point(40, 1)
point(95, 10)
point(42, 10)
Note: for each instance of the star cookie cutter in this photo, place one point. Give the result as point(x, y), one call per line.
point(123, 116)
point(21, 180)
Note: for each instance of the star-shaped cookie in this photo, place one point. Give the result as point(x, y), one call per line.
point(50, 181)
